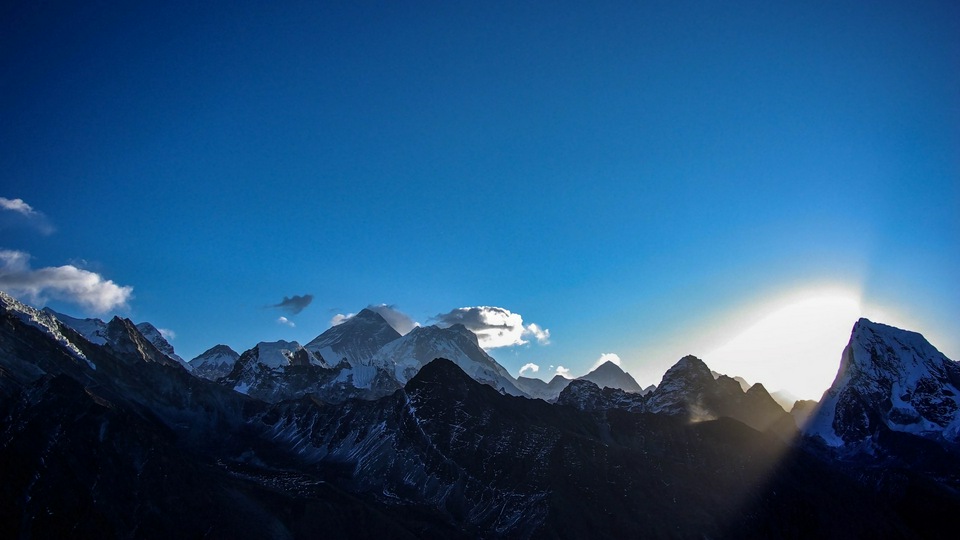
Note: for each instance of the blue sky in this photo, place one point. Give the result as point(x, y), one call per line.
point(633, 178)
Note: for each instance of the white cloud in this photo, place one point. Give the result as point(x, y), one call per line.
point(167, 334)
point(604, 358)
point(285, 321)
point(17, 212)
point(542, 335)
point(67, 283)
point(17, 205)
point(339, 318)
point(531, 367)
point(563, 372)
point(495, 326)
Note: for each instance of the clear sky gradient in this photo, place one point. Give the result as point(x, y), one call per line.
point(640, 178)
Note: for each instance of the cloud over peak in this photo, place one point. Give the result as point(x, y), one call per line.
point(400, 321)
point(604, 358)
point(495, 326)
point(66, 283)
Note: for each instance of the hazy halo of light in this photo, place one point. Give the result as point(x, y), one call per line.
point(796, 343)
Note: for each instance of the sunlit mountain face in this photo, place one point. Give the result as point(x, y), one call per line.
point(111, 436)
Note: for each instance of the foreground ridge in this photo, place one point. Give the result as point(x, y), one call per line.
point(113, 439)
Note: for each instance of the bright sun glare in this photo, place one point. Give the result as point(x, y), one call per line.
point(794, 347)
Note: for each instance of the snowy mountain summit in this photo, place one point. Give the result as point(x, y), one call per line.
point(405, 356)
point(215, 362)
point(355, 340)
point(889, 379)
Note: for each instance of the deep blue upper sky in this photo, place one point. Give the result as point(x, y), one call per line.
point(621, 174)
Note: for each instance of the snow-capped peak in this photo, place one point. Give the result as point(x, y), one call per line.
point(893, 378)
point(406, 355)
point(355, 340)
point(215, 362)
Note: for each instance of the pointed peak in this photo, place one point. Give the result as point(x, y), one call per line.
point(219, 350)
point(439, 370)
point(758, 389)
point(367, 314)
point(691, 363)
point(608, 366)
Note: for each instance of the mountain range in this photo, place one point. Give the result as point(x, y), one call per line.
point(104, 432)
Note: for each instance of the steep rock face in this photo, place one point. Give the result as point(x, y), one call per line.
point(585, 395)
point(407, 355)
point(609, 375)
point(889, 379)
point(47, 324)
point(683, 388)
point(94, 330)
point(153, 335)
point(688, 389)
point(125, 340)
point(215, 362)
point(355, 340)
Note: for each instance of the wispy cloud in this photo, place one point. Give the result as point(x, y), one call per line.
point(15, 212)
point(542, 335)
point(286, 321)
point(604, 358)
point(495, 326)
point(530, 367)
point(294, 304)
point(400, 321)
point(167, 334)
point(563, 372)
point(66, 283)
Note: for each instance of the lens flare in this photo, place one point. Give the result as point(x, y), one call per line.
point(794, 347)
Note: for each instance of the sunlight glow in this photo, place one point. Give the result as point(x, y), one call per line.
point(795, 347)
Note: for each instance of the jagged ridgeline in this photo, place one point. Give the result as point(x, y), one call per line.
point(363, 433)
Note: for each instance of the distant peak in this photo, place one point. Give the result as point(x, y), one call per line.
point(220, 349)
point(279, 343)
point(609, 366)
